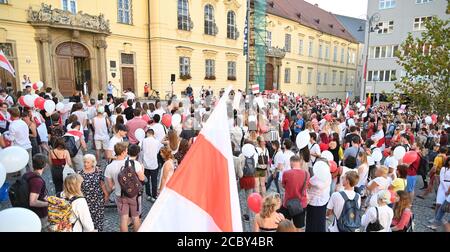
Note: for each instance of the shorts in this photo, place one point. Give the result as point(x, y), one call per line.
point(260, 173)
point(298, 220)
point(410, 183)
point(128, 206)
point(101, 144)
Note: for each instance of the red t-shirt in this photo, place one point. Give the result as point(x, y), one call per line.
point(293, 181)
point(414, 167)
point(286, 125)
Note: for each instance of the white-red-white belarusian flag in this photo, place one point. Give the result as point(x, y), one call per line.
point(347, 103)
point(201, 196)
point(255, 89)
point(4, 63)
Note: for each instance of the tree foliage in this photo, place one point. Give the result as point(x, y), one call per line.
point(425, 60)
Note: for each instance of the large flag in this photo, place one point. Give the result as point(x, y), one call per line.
point(201, 196)
point(4, 63)
point(347, 104)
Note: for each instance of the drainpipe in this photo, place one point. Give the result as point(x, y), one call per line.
point(149, 47)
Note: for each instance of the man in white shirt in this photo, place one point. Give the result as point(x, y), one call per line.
point(5, 117)
point(129, 95)
point(158, 128)
point(314, 149)
point(101, 126)
point(19, 135)
point(6, 98)
point(287, 154)
point(159, 110)
point(150, 149)
point(125, 206)
point(82, 118)
point(117, 138)
point(336, 203)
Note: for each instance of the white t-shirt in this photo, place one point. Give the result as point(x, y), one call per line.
point(130, 95)
point(159, 130)
point(19, 134)
point(101, 129)
point(112, 142)
point(114, 119)
point(159, 112)
point(81, 211)
point(287, 162)
point(313, 149)
point(385, 215)
point(370, 160)
point(383, 184)
point(81, 116)
point(277, 160)
point(150, 150)
point(391, 162)
point(336, 204)
point(113, 169)
point(363, 176)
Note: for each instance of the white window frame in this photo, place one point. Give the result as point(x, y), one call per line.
point(231, 25)
point(319, 77)
point(386, 4)
point(231, 69)
point(287, 42)
point(385, 27)
point(335, 49)
point(310, 49)
point(310, 71)
point(389, 51)
point(69, 5)
point(333, 82)
point(121, 8)
point(185, 65)
point(342, 55)
point(268, 38)
point(423, 1)
point(341, 78)
point(325, 77)
point(300, 47)
point(287, 75)
point(420, 25)
point(327, 52)
point(209, 20)
point(320, 51)
point(210, 70)
point(299, 75)
point(183, 15)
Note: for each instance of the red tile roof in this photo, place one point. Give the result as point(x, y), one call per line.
point(310, 16)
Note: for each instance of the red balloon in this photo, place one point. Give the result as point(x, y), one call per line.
point(39, 103)
point(434, 118)
point(22, 101)
point(351, 113)
point(35, 86)
point(333, 166)
point(410, 157)
point(167, 120)
point(328, 117)
point(323, 146)
point(254, 202)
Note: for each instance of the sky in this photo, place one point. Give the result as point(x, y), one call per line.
point(352, 8)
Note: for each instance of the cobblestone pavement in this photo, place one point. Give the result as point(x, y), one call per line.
point(421, 208)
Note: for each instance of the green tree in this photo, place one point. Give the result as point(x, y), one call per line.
point(426, 62)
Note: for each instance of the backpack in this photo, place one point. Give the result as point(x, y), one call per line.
point(60, 214)
point(129, 182)
point(71, 145)
point(263, 159)
point(350, 219)
point(249, 167)
point(19, 192)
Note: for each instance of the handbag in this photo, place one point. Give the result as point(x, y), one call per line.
point(67, 171)
point(375, 226)
point(294, 205)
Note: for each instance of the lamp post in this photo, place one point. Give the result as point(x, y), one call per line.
point(374, 18)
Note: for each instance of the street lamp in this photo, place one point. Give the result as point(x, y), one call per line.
point(374, 18)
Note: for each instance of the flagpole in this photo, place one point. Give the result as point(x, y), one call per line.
point(247, 77)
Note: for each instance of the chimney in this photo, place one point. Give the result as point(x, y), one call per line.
point(317, 5)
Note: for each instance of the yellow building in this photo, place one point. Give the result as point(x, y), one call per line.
point(65, 43)
point(68, 42)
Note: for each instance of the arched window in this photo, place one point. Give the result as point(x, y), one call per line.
point(183, 15)
point(231, 25)
point(209, 20)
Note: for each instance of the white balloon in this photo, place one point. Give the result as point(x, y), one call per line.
point(358, 105)
point(29, 100)
point(302, 139)
point(139, 134)
point(49, 106)
point(399, 152)
point(364, 115)
point(428, 120)
point(18, 219)
point(14, 158)
point(248, 150)
point(2, 175)
point(377, 155)
point(275, 112)
point(40, 84)
point(339, 107)
point(60, 106)
point(322, 171)
point(176, 120)
point(34, 97)
point(351, 122)
point(362, 108)
point(327, 155)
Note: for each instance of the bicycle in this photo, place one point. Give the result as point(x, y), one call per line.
point(154, 95)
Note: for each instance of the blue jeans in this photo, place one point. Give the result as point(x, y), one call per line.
point(270, 179)
point(440, 213)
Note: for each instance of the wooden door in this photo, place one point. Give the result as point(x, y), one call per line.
point(65, 75)
point(128, 78)
point(269, 77)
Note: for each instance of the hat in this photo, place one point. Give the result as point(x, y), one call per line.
point(121, 127)
point(27, 86)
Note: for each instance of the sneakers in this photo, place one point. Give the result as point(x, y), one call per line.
point(149, 198)
point(246, 218)
point(433, 227)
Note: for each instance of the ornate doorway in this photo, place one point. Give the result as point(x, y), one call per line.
point(73, 68)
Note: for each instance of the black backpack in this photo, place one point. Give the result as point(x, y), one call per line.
point(19, 192)
point(249, 167)
point(71, 145)
point(350, 219)
point(129, 182)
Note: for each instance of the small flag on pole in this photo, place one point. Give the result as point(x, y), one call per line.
point(255, 89)
point(4, 63)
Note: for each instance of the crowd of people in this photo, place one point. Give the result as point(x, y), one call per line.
point(138, 146)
